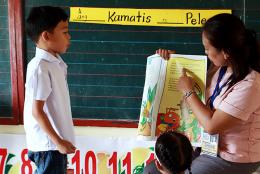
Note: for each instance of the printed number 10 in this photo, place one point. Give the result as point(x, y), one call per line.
point(113, 161)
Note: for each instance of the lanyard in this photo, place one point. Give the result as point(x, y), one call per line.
point(218, 89)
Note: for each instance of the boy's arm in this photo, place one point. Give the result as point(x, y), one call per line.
point(63, 146)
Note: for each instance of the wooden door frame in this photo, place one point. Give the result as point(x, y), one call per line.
point(16, 47)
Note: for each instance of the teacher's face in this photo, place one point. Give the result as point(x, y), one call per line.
point(218, 58)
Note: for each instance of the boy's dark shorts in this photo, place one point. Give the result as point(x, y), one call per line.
point(49, 162)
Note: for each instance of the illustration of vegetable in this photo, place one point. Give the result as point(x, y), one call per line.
point(146, 114)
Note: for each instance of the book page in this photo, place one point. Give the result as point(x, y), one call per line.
point(173, 111)
point(151, 96)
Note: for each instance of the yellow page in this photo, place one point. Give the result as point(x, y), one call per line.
point(173, 111)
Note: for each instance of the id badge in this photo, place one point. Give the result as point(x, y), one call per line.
point(209, 144)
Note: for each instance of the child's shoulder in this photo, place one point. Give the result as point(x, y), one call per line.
point(38, 63)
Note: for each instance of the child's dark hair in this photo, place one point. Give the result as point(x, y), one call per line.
point(228, 33)
point(43, 18)
point(174, 151)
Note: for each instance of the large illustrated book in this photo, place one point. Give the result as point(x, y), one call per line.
point(163, 106)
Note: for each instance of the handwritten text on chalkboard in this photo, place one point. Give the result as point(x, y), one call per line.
point(143, 17)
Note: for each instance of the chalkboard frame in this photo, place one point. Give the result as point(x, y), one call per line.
point(16, 46)
point(16, 36)
point(16, 62)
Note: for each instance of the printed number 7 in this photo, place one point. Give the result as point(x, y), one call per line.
point(3, 153)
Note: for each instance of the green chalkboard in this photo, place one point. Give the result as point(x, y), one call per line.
point(252, 16)
point(107, 62)
point(5, 77)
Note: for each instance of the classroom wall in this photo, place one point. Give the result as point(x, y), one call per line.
point(250, 17)
point(80, 130)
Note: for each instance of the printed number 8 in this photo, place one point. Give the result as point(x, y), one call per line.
point(26, 163)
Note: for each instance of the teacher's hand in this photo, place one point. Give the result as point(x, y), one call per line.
point(165, 54)
point(185, 83)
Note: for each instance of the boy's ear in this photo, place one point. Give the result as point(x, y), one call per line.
point(160, 168)
point(45, 35)
point(158, 165)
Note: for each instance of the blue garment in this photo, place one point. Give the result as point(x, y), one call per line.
point(49, 162)
point(218, 88)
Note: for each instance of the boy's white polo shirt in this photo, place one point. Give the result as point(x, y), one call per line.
point(46, 80)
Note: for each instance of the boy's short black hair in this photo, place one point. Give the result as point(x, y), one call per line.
point(43, 18)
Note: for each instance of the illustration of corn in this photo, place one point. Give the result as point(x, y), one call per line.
point(144, 127)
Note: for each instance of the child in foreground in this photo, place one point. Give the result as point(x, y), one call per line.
point(173, 153)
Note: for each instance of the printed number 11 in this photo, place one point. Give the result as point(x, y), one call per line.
point(126, 163)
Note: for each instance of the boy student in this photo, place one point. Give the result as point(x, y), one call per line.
point(47, 113)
